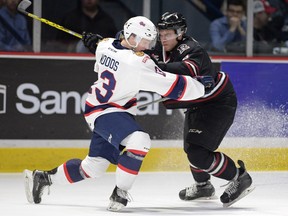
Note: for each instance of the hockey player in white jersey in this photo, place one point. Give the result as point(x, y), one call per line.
point(123, 70)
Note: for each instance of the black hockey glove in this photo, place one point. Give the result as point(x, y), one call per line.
point(207, 81)
point(90, 41)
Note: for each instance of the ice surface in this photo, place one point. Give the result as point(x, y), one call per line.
point(153, 193)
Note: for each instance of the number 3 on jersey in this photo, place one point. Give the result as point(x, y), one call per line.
point(108, 86)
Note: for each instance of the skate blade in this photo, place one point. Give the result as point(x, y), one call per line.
point(115, 206)
point(28, 183)
point(213, 197)
point(244, 193)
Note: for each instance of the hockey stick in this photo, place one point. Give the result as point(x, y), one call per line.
point(152, 102)
point(24, 4)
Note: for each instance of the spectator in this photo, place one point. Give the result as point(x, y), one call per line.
point(278, 16)
point(89, 17)
point(266, 30)
point(230, 28)
point(212, 9)
point(285, 26)
point(14, 34)
point(279, 7)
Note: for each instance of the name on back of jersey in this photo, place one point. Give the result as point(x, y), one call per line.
point(109, 62)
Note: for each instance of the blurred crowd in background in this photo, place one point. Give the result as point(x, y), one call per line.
point(219, 25)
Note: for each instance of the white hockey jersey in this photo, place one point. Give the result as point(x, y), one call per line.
point(122, 73)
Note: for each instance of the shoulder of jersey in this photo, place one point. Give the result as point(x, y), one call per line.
point(104, 39)
point(140, 54)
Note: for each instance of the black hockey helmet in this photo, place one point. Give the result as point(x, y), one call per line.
point(175, 21)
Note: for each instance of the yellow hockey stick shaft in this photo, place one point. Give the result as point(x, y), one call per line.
point(24, 4)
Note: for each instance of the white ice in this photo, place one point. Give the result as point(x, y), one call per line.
point(153, 193)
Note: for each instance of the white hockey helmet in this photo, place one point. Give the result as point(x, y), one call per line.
point(141, 27)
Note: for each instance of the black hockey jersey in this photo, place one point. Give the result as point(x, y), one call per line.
point(189, 58)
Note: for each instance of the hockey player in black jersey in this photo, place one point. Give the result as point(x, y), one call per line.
point(207, 119)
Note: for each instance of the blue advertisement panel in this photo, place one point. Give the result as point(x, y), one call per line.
point(262, 97)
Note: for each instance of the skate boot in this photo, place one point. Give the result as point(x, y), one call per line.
point(197, 190)
point(118, 199)
point(237, 188)
point(35, 183)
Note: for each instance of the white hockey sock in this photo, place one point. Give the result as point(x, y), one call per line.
point(124, 180)
point(59, 177)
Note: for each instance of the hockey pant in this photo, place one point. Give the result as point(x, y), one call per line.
point(205, 128)
point(104, 150)
point(129, 164)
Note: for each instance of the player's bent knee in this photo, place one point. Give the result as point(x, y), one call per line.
point(137, 141)
point(94, 167)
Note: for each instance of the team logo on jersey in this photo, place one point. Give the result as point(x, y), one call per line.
point(139, 54)
point(182, 48)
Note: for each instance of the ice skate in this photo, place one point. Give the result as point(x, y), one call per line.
point(198, 190)
point(35, 183)
point(118, 199)
point(238, 188)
